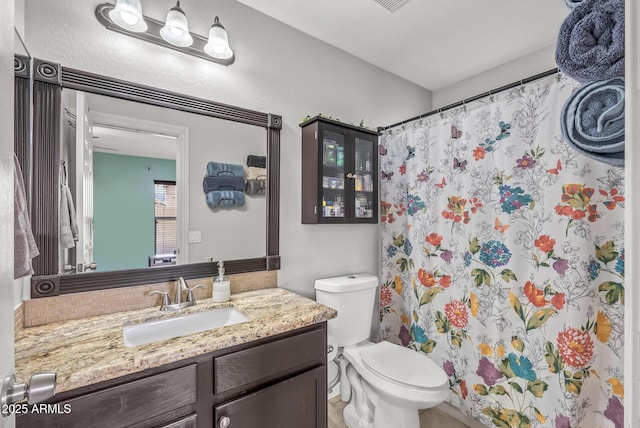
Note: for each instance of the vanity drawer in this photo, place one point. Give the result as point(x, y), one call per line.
point(124, 405)
point(267, 362)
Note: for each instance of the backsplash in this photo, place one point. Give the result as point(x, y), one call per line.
point(80, 305)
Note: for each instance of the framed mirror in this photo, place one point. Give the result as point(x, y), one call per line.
point(131, 119)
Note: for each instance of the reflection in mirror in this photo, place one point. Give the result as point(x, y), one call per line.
point(20, 48)
point(135, 175)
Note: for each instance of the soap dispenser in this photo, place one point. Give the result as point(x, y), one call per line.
point(221, 285)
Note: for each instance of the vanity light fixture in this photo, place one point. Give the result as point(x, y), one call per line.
point(126, 18)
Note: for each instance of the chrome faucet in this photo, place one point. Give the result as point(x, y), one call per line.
point(181, 286)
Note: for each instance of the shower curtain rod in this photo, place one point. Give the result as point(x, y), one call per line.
point(474, 98)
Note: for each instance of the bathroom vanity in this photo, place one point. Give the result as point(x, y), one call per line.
point(269, 371)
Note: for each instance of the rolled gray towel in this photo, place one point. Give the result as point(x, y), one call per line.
point(592, 121)
point(257, 161)
point(572, 3)
point(591, 41)
point(225, 198)
point(256, 187)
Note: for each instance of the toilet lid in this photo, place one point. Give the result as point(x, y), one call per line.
point(405, 366)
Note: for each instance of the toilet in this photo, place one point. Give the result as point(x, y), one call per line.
point(385, 384)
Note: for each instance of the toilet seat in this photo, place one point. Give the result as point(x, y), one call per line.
point(404, 366)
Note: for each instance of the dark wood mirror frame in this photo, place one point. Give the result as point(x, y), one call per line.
point(38, 85)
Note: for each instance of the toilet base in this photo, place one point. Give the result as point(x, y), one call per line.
point(351, 418)
point(388, 415)
point(368, 409)
point(385, 416)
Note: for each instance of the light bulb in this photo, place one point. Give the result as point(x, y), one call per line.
point(218, 44)
point(176, 28)
point(128, 15)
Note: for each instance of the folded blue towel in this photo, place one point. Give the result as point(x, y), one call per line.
point(256, 187)
point(591, 41)
point(572, 3)
point(259, 161)
point(210, 184)
point(225, 198)
point(219, 169)
point(592, 121)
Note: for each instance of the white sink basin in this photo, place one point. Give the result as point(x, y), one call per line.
point(152, 331)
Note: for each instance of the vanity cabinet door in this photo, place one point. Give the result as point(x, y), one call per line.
point(298, 402)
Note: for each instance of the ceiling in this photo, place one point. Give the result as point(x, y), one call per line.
point(432, 43)
point(115, 139)
point(133, 142)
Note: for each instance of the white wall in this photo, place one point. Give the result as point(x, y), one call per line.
point(19, 23)
point(279, 70)
point(527, 66)
point(6, 194)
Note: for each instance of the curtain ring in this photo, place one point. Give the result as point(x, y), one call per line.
point(522, 87)
point(491, 97)
point(441, 114)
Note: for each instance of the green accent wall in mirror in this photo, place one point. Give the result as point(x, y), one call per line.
point(124, 208)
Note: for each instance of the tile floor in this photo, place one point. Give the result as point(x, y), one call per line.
point(431, 418)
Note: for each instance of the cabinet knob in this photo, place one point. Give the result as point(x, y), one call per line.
point(224, 422)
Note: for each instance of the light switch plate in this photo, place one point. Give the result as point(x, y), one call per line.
point(195, 236)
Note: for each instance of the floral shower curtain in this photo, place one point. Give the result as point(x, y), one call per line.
point(503, 260)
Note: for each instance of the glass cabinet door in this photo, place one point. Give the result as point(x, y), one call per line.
point(364, 199)
point(333, 175)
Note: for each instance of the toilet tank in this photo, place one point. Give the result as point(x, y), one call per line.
point(353, 296)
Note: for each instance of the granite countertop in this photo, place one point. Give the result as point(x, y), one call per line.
point(91, 350)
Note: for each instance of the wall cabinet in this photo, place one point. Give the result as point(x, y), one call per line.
point(276, 382)
point(339, 172)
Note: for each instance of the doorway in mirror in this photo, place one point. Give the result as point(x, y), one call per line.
point(113, 163)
